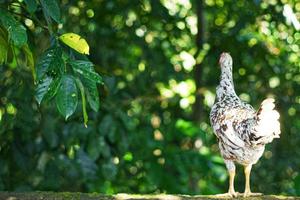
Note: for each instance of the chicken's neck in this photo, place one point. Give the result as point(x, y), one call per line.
point(226, 87)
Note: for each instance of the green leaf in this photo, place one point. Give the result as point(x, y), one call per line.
point(89, 79)
point(85, 68)
point(10, 54)
point(94, 147)
point(29, 60)
point(42, 88)
point(51, 8)
point(8, 47)
point(76, 42)
point(109, 170)
point(187, 128)
point(91, 93)
point(88, 166)
point(51, 61)
point(3, 49)
point(3, 33)
point(46, 89)
point(106, 124)
point(53, 88)
point(16, 31)
point(67, 96)
point(297, 184)
point(81, 88)
point(31, 5)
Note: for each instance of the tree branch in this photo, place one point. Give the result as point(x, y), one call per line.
point(198, 69)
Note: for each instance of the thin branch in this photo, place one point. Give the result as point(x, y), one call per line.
point(48, 20)
point(198, 69)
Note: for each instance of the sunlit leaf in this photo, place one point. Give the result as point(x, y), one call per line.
point(187, 128)
point(76, 42)
point(67, 96)
point(128, 156)
point(31, 5)
point(51, 8)
point(16, 31)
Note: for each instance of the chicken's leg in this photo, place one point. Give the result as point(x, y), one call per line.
point(247, 193)
point(231, 190)
point(231, 170)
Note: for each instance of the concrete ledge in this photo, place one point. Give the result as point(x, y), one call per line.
point(96, 196)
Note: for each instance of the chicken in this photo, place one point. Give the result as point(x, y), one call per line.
point(242, 132)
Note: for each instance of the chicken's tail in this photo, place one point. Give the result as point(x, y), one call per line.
point(267, 123)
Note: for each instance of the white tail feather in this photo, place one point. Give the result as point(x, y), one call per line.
point(268, 126)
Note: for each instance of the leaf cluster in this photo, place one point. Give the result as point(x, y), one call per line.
point(62, 70)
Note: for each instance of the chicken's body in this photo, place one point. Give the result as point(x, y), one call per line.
point(232, 120)
point(241, 131)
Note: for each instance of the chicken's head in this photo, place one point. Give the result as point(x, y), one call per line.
point(225, 60)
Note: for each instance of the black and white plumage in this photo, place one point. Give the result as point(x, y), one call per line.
point(242, 132)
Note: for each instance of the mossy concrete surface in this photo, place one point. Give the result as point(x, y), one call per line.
point(95, 196)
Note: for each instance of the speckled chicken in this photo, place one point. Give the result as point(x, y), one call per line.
point(242, 132)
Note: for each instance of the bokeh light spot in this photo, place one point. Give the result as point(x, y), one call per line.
point(274, 82)
point(90, 13)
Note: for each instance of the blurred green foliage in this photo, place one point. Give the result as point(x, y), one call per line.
point(143, 140)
